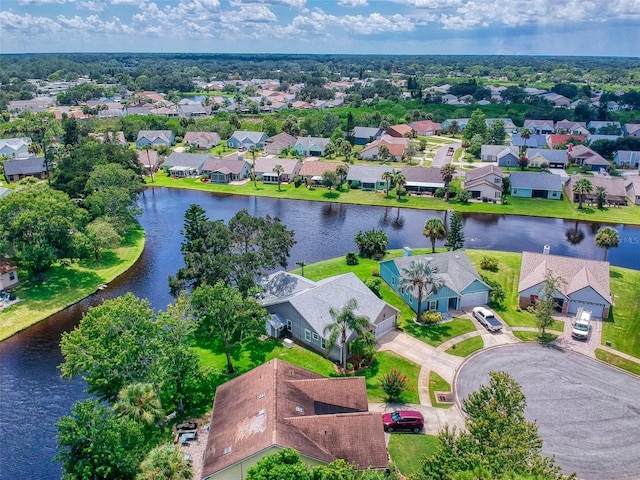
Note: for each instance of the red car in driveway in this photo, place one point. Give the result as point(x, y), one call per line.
point(410, 420)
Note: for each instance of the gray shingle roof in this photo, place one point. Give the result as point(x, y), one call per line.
point(536, 181)
point(25, 166)
point(552, 155)
point(192, 160)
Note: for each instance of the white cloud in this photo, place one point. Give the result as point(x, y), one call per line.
point(27, 24)
point(299, 4)
point(248, 13)
point(353, 3)
point(431, 4)
point(43, 2)
point(92, 6)
point(319, 21)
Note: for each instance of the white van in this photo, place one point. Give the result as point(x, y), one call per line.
point(582, 325)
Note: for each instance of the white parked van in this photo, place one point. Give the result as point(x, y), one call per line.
point(582, 325)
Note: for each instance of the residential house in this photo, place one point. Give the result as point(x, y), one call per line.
point(583, 155)
point(395, 145)
point(17, 169)
point(313, 171)
point(155, 138)
point(15, 147)
point(543, 156)
point(232, 168)
point(541, 127)
point(138, 110)
point(202, 140)
point(509, 126)
point(278, 405)
point(506, 156)
point(632, 189)
point(595, 126)
point(300, 308)
point(426, 128)
point(536, 185)
point(276, 144)
point(368, 177)
point(422, 179)
point(627, 158)
point(572, 128)
point(631, 130)
point(463, 287)
point(110, 137)
point(559, 140)
point(585, 283)
point(592, 138)
point(149, 159)
point(401, 130)
point(364, 135)
point(556, 99)
point(614, 186)
point(192, 110)
point(180, 164)
point(535, 140)
point(461, 122)
point(264, 169)
point(8, 274)
point(311, 146)
point(245, 139)
point(484, 183)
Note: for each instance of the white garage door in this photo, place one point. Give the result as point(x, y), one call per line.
point(595, 308)
point(474, 299)
point(385, 326)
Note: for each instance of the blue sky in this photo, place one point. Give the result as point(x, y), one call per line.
point(496, 27)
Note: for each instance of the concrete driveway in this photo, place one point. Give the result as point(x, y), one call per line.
point(588, 413)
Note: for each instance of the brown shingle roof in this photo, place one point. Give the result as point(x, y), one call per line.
point(279, 404)
point(6, 266)
point(229, 164)
point(315, 168)
point(483, 172)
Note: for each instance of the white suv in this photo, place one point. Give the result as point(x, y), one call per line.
point(581, 326)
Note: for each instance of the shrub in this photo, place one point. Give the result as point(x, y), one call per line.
point(402, 192)
point(487, 262)
point(352, 259)
point(393, 383)
point(505, 200)
point(349, 367)
point(439, 193)
point(375, 273)
point(297, 182)
point(374, 285)
point(431, 318)
point(531, 309)
point(517, 308)
point(464, 196)
point(372, 243)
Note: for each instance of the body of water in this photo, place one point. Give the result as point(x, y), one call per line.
point(32, 395)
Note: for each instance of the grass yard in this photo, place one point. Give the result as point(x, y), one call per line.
point(384, 363)
point(66, 285)
point(438, 384)
point(622, 328)
point(534, 336)
point(407, 451)
point(618, 361)
point(466, 347)
point(435, 335)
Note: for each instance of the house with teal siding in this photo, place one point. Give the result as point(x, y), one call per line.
point(536, 185)
point(463, 286)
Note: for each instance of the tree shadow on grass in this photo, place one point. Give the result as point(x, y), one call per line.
point(59, 280)
point(432, 334)
point(132, 237)
point(331, 195)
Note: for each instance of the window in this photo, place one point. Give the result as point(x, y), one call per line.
point(307, 335)
point(12, 276)
point(497, 180)
point(315, 336)
point(323, 343)
point(289, 325)
point(433, 305)
point(393, 280)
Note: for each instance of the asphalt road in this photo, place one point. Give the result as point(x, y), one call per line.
point(588, 414)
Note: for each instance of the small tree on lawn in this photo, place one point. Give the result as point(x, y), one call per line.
point(601, 196)
point(393, 383)
point(455, 233)
point(372, 243)
point(345, 322)
point(523, 163)
point(607, 237)
point(546, 306)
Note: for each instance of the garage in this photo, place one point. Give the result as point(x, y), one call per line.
point(385, 326)
point(596, 309)
point(474, 299)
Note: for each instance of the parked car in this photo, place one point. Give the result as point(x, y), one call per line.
point(581, 326)
point(409, 420)
point(450, 151)
point(487, 319)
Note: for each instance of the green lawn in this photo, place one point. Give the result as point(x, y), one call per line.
point(384, 363)
point(516, 206)
point(466, 347)
point(435, 335)
point(618, 361)
point(622, 328)
point(535, 336)
point(407, 451)
point(66, 285)
point(438, 384)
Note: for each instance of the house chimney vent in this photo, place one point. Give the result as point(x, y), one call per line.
point(407, 252)
point(546, 249)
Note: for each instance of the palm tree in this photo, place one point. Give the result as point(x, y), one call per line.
point(345, 321)
point(140, 402)
point(383, 152)
point(278, 169)
point(253, 152)
point(400, 181)
point(342, 170)
point(165, 462)
point(447, 172)
point(388, 177)
point(582, 187)
point(525, 134)
point(606, 238)
point(454, 128)
point(420, 275)
point(601, 196)
point(434, 229)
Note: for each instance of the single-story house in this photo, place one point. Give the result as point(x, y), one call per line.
point(557, 140)
point(627, 158)
point(368, 177)
point(585, 282)
point(155, 138)
point(536, 140)
point(460, 122)
point(8, 274)
point(301, 308)
point(422, 179)
point(536, 185)
point(632, 189)
point(463, 286)
point(17, 169)
point(506, 156)
point(311, 146)
point(245, 139)
point(583, 155)
point(313, 171)
point(149, 159)
point(180, 164)
point(509, 126)
point(202, 140)
point(595, 126)
point(192, 110)
point(557, 99)
point(364, 135)
point(231, 168)
point(631, 130)
point(593, 138)
point(401, 130)
point(571, 127)
point(15, 147)
point(615, 187)
point(539, 126)
point(484, 182)
point(395, 145)
point(278, 405)
point(276, 144)
point(426, 128)
point(264, 169)
point(552, 158)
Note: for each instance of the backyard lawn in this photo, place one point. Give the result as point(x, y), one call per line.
point(407, 451)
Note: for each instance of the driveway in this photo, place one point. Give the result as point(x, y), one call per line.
point(587, 413)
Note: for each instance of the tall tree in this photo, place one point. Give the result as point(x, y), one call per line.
point(582, 188)
point(165, 462)
point(455, 233)
point(278, 169)
point(606, 237)
point(330, 179)
point(420, 275)
point(400, 181)
point(434, 229)
point(447, 172)
point(525, 134)
point(383, 152)
point(253, 153)
point(601, 196)
point(547, 304)
point(454, 128)
point(285, 464)
point(140, 402)
point(388, 177)
point(496, 133)
point(477, 125)
point(342, 170)
point(345, 323)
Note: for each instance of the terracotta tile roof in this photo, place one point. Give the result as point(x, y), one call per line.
point(313, 169)
point(400, 130)
point(279, 404)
